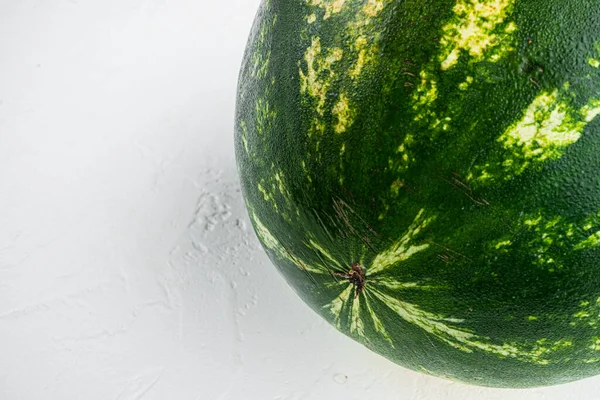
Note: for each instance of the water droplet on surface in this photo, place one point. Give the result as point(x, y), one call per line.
point(340, 378)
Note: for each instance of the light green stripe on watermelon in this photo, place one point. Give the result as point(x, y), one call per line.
point(377, 324)
point(431, 323)
point(335, 307)
point(279, 178)
point(411, 313)
point(317, 246)
point(244, 134)
point(365, 15)
point(270, 242)
point(437, 325)
point(474, 30)
point(402, 249)
point(356, 323)
point(392, 284)
point(441, 327)
point(268, 195)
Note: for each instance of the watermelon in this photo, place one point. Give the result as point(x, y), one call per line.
point(425, 176)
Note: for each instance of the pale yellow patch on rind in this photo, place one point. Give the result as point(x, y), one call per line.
point(590, 111)
point(343, 113)
point(473, 30)
point(542, 127)
point(274, 191)
point(424, 96)
point(321, 69)
point(261, 72)
point(361, 47)
point(548, 126)
point(331, 7)
point(364, 36)
point(265, 114)
point(373, 7)
point(478, 28)
point(318, 78)
point(465, 85)
point(591, 241)
point(593, 62)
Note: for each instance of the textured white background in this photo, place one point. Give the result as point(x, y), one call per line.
point(128, 268)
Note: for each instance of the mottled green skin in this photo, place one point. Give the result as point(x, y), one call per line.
point(505, 295)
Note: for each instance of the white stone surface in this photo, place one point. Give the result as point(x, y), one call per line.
point(128, 268)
